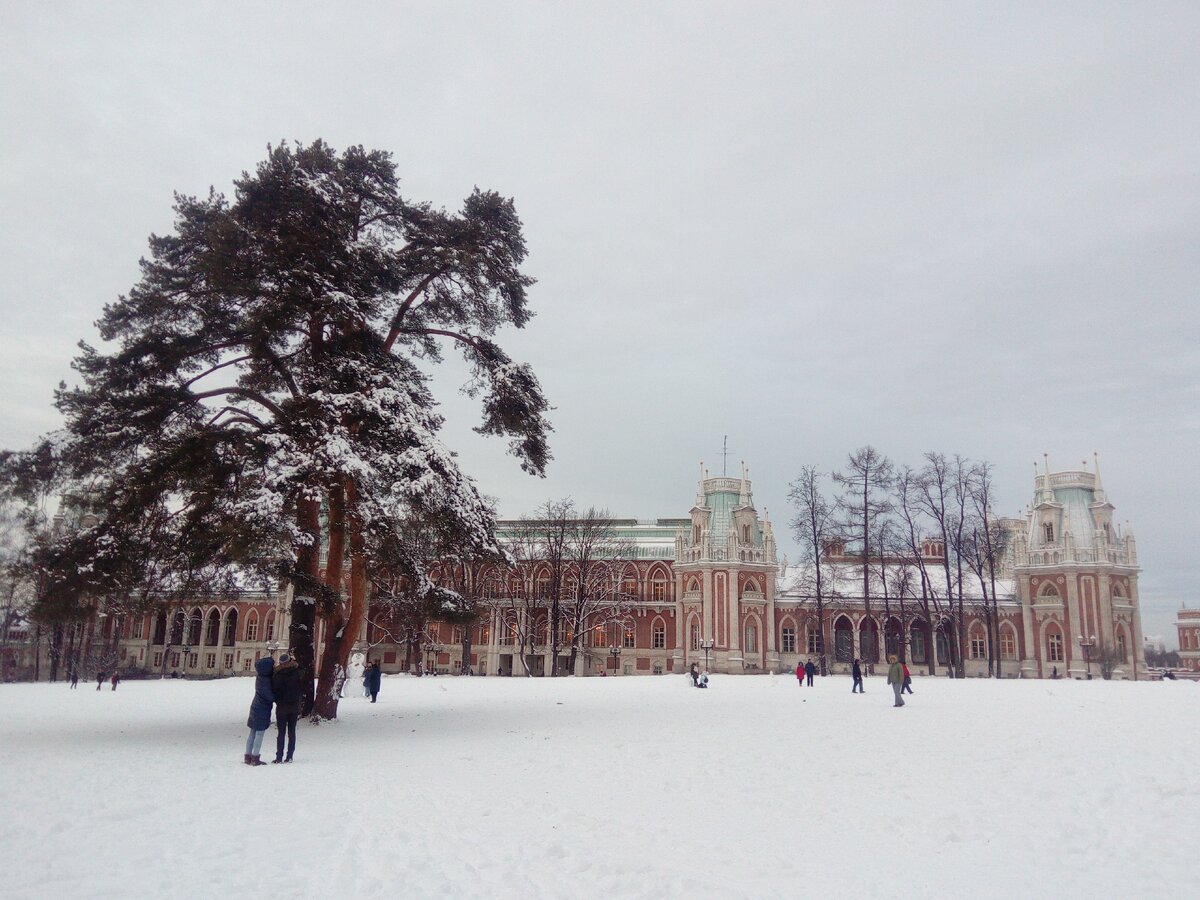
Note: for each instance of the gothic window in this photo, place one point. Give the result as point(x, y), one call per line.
point(599, 636)
point(629, 638)
point(788, 639)
point(485, 634)
point(1048, 532)
point(814, 639)
point(745, 534)
point(456, 635)
point(270, 628)
point(1054, 647)
point(917, 646)
point(230, 630)
point(195, 622)
point(751, 632)
point(629, 586)
point(658, 588)
point(252, 626)
point(658, 635)
point(1121, 646)
point(695, 635)
point(978, 647)
point(1008, 643)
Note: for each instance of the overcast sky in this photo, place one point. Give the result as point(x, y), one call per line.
point(915, 226)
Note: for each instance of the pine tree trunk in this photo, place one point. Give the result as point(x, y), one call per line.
point(305, 585)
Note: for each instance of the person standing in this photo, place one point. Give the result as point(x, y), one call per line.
point(374, 678)
point(809, 671)
point(896, 678)
point(907, 678)
point(800, 674)
point(856, 672)
point(287, 687)
point(695, 672)
point(115, 680)
point(259, 719)
point(100, 680)
point(74, 678)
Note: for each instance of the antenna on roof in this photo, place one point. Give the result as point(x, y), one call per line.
point(724, 455)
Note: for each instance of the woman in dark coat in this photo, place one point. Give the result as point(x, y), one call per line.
point(260, 710)
point(374, 677)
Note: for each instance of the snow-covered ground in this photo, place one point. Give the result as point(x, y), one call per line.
point(607, 787)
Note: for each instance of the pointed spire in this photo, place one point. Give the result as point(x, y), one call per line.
point(1099, 489)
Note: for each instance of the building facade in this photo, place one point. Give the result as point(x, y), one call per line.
point(708, 589)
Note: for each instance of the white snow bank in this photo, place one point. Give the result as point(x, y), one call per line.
point(606, 787)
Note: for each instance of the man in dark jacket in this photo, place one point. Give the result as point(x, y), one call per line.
point(286, 683)
point(856, 673)
point(809, 671)
point(374, 677)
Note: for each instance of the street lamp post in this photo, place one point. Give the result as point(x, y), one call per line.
point(615, 653)
point(1087, 646)
point(430, 649)
point(706, 646)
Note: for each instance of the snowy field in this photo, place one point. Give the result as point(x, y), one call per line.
point(607, 787)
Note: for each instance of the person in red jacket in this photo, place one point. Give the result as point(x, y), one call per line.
point(800, 674)
point(907, 679)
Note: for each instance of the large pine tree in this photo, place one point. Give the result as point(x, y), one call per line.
point(261, 398)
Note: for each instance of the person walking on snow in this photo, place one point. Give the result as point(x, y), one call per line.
point(800, 674)
point(116, 679)
point(99, 680)
point(896, 678)
point(809, 671)
point(907, 678)
point(74, 678)
point(856, 672)
point(260, 710)
point(287, 688)
point(374, 677)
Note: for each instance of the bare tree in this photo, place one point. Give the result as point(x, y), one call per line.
point(595, 598)
point(910, 491)
point(990, 540)
point(815, 528)
point(866, 496)
point(940, 497)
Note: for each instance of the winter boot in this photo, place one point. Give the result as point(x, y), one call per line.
point(246, 758)
point(256, 761)
point(276, 761)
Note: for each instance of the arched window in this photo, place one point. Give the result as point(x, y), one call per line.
point(212, 628)
point(918, 642)
point(658, 634)
point(658, 587)
point(629, 585)
point(1122, 645)
point(252, 627)
point(745, 534)
point(813, 642)
point(751, 637)
point(269, 631)
point(695, 534)
point(485, 634)
point(843, 640)
point(694, 634)
point(892, 637)
point(230, 635)
point(1048, 532)
point(1048, 592)
point(160, 627)
point(978, 642)
point(629, 636)
point(1054, 646)
point(868, 641)
point(195, 622)
point(1008, 642)
point(787, 636)
point(599, 636)
point(693, 585)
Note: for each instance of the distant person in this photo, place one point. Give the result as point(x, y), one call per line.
point(287, 686)
point(374, 677)
point(115, 680)
point(74, 679)
point(800, 674)
point(100, 679)
point(896, 678)
point(809, 671)
point(907, 678)
point(703, 680)
point(260, 710)
point(1053, 672)
point(695, 673)
point(856, 674)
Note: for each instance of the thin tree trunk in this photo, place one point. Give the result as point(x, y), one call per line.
point(305, 585)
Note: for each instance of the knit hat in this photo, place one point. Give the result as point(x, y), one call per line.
point(285, 658)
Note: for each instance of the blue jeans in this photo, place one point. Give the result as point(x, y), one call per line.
point(254, 742)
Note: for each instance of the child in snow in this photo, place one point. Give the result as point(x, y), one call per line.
point(703, 680)
point(115, 680)
point(800, 674)
point(260, 710)
point(907, 678)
